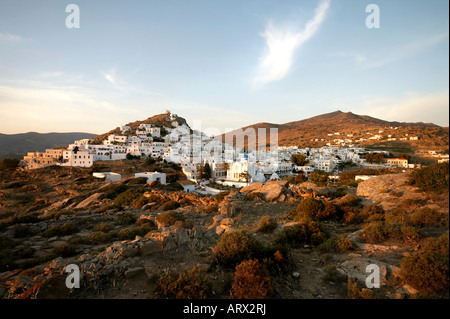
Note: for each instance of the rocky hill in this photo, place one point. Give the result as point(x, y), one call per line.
point(321, 129)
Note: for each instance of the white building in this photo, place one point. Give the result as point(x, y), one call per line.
point(153, 177)
point(108, 176)
point(79, 159)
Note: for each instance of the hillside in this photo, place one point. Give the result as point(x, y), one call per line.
point(17, 145)
point(161, 120)
point(327, 128)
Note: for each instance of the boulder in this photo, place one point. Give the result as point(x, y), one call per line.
point(150, 247)
point(273, 189)
point(252, 187)
point(90, 200)
point(356, 269)
point(133, 272)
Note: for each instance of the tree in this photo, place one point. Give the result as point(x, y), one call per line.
point(245, 176)
point(9, 163)
point(299, 159)
point(204, 171)
point(300, 178)
point(75, 149)
point(319, 176)
point(375, 158)
point(404, 156)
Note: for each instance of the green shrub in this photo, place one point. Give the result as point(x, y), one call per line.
point(25, 252)
point(170, 205)
point(348, 200)
point(192, 284)
point(372, 209)
point(103, 227)
point(211, 208)
point(6, 242)
point(98, 236)
point(251, 281)
point(316, 209)
point(434, 177)
point(339, 244)
point(7, 259)
point(131, 233)
point(234, 247)
point(125, 219)
point(128, 196)
point(170, 218)
point(267, 224)
point(377, 232)
point(219, 197)
point(428, 269)
point(307, 232)
point(114, 190)
point(9, 163)
point(137, 181)
point(66, 250)
point(21, 231)
point(139, 202)
point(374, 232)
point(174, 187)
point(331, 274)
point(353, 292)
point(428, 217)
point(64, 230)
point(310, 207)
point(146, 222)
point(352, 216)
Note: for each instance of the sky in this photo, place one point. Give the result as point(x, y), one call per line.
point(227, 63)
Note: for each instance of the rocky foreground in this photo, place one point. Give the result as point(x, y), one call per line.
point(124, 236)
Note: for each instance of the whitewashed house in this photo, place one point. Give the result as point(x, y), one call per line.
point(153, 177)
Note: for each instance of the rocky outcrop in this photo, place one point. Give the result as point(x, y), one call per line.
point(380, 190)
point(95, 198)
point(271, 191)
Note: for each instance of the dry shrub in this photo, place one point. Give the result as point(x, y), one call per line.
point(103, 227)
point(428, 217)
point(352, 216)
point(428, 270)
point(267, 224)
point(307, 232)
point(232, 248)
point(169, 205)
point(353, 292)
point(211, 208)
point(339, 244)
point(191, 284)
point(170, 218)
point(251, 281)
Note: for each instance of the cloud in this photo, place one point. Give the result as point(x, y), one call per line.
point(282, 44)
point(413, 107)
point(5, 36)
point(111, 77)
point(46, 75)
point(403, 51)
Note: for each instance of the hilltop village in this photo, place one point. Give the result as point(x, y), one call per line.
point(173, 142)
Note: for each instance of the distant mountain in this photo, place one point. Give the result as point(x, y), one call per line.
point(314, 131)
point(17, 145)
